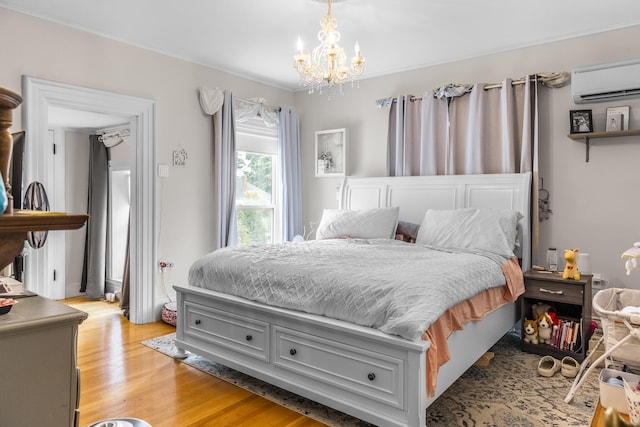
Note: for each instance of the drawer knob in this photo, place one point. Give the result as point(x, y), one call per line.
point(371, 376)
point(292, 352)
point(197, 321)
point(248, 337)
point(551, 291)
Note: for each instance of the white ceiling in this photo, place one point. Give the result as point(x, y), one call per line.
point(257, 38)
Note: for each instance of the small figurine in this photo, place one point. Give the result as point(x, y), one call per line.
point(571, 268)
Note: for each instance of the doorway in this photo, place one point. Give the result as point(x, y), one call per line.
point(39, 95)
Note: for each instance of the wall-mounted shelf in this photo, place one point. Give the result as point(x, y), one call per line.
point(595, 135)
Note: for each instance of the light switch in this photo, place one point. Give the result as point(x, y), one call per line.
point(163, 170)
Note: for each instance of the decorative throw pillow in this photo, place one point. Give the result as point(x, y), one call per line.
point(492, 230)
point(407, 231)
point(364, 224)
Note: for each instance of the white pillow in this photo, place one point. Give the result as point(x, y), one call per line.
point(492, 230)
point(363, 224)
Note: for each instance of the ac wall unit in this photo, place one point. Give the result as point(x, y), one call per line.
point(605, 82)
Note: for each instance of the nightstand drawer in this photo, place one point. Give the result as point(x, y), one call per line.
point(566, 292)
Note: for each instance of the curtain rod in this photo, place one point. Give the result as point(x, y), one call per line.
point(123, 130)
point(259, 103)
point(386, 102)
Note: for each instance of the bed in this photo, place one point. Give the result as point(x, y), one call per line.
point(382, 378)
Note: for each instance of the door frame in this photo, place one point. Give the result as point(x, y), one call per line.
point(38, 95)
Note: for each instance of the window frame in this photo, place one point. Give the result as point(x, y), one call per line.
point(253, 136)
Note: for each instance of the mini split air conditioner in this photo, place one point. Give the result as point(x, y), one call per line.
point(605, 82)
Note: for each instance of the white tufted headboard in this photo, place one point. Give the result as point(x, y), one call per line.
point(415, 194)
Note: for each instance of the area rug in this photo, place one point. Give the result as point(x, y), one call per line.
point(507, 392)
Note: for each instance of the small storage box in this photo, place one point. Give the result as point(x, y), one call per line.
point(612, 395)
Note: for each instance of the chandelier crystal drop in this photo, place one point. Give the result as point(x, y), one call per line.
point(325, 68)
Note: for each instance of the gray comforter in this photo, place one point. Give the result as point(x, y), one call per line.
point(399, 288)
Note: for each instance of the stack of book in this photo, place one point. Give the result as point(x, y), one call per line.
point(566, 336)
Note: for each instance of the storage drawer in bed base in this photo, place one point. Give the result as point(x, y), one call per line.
point(377, 376)
point(333, 363)
point(210, 326)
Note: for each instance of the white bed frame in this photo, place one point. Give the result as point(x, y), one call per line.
point(373, 376)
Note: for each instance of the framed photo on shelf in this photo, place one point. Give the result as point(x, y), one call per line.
point(580, 121)
point(331, 153)
point(614, 122)
point(617, 118)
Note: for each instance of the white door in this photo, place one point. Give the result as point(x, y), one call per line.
point(56, 239)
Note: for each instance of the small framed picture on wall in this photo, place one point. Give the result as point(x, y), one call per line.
point(617, 118)
point(331, 153)
point(580, 121)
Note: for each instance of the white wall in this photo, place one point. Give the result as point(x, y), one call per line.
point(54, 52)
point(595, 205)
point(121, 151)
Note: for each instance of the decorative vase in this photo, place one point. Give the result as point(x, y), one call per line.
point(3, 197)
point(9, 100)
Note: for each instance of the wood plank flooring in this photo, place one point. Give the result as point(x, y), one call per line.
point(122, 378)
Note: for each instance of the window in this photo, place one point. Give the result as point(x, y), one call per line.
point(257, 181)
point(118, 222)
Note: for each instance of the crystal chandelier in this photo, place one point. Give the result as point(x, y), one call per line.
point(326, 66)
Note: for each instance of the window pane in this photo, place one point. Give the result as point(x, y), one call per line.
point(254, 225)
point(119, 217)
point(254, 179)
point(254, 197)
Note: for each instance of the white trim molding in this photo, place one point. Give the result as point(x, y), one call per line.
point(39, 94)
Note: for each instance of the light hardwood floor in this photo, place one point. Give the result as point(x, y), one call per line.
point(122, 378)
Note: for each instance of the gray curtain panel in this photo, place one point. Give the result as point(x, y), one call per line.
point(219, 104)
point(491, 130)
point(289, 147)
point(224, 174)
point(95, 250)
point(403, 158)
point(468, 129)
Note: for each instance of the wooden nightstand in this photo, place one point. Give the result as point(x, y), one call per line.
point(570, 300)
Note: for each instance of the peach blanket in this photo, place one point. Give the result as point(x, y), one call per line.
point(472, 309)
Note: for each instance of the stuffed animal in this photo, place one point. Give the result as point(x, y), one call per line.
point(571, 268)
point(530, 331)
point(540, 308)
point(545, 327)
